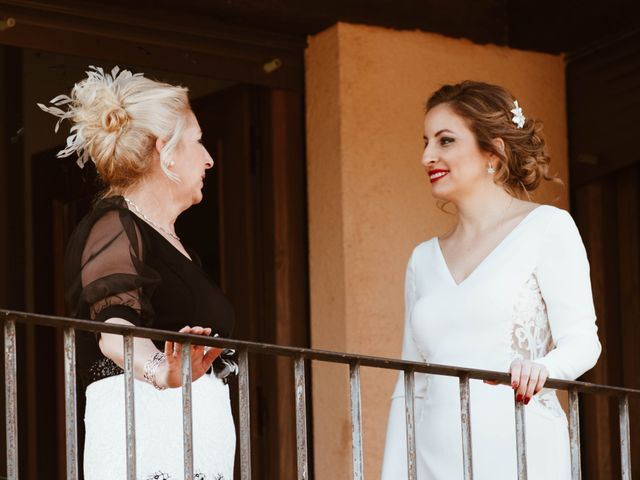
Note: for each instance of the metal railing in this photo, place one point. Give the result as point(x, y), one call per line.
point(300, 355)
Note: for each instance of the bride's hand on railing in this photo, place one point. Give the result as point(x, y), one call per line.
point(527, 379)
point(170, 372)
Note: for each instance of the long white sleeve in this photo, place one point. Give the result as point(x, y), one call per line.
point(394, 466)
point(563, 275)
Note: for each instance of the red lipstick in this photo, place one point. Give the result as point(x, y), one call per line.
point(437, 174)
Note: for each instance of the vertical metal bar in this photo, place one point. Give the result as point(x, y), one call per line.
point(356, 421)
point(71, 417)
point(130, 416)
point(245, 415)
point(465, 417)
point(521, 445)
point(409, 392)
point(29, 406)
point(574, 434)
point(301, 418)
point(11, 398)
point(625, 444)
point(187, 420)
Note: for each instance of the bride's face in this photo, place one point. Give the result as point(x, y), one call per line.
point(454, 163)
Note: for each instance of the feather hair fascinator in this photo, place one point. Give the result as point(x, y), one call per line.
point(84, 94)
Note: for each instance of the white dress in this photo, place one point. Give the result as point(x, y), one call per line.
point(530, 298)
point(159, 439)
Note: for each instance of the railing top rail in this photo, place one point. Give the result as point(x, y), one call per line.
point(311, 354)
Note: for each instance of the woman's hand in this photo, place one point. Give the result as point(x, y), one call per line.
point(170, 372)
point(527, 379)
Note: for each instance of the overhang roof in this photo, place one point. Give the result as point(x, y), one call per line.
point(547, 26)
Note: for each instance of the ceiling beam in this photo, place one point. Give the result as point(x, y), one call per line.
point(178, 43)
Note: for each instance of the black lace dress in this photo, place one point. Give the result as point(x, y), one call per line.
point(117, 265)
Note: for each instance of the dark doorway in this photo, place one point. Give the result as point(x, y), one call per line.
point(248, 237)
point(62, 195)
point(603, 87)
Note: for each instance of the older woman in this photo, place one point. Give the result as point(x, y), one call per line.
point(125, 264)
point(507, 289)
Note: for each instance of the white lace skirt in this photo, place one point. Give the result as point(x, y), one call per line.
point(159, 441)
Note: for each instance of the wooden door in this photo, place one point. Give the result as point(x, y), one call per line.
point(607, 212)
point(62, 195)
point(250, 230)
point(602, 96)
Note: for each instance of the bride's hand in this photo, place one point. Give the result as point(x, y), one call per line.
point(527, 379)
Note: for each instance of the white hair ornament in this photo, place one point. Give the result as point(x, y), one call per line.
point(76, 142)
point(518, 117)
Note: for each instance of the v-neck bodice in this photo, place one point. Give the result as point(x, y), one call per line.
point(487, 258)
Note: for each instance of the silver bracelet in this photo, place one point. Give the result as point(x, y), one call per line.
point(151, 367)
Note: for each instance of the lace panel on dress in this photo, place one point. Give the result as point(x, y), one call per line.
point(531, 335)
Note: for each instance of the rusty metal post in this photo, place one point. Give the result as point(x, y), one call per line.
point(71, 417)
point(465, 417)
point(130, 416)
point(409, 392)
point(574, 434)
point(301, 418)
point(187, 420)
point(356, 421)
point(245, 415)
point(625, 445)
point(11, 398)
point(521, 442)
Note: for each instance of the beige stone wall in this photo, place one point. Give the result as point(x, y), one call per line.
point(370, 202)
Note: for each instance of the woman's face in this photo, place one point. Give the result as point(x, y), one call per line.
point(454, 164)
point(191, 161)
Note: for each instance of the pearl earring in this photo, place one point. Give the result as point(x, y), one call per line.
point(171, 163)
point(491, 170)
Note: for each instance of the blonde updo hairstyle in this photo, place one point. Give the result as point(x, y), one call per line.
point(486, 108)
point(117, 118)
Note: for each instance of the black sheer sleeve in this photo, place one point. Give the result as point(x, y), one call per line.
point(106, 274)
point(117, 266)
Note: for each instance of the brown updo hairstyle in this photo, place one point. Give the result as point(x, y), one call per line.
point(117, 118)
point(486, 108)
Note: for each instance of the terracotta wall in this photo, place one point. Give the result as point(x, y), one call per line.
point(369, 199)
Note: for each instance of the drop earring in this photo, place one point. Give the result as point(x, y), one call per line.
point(491, 170)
